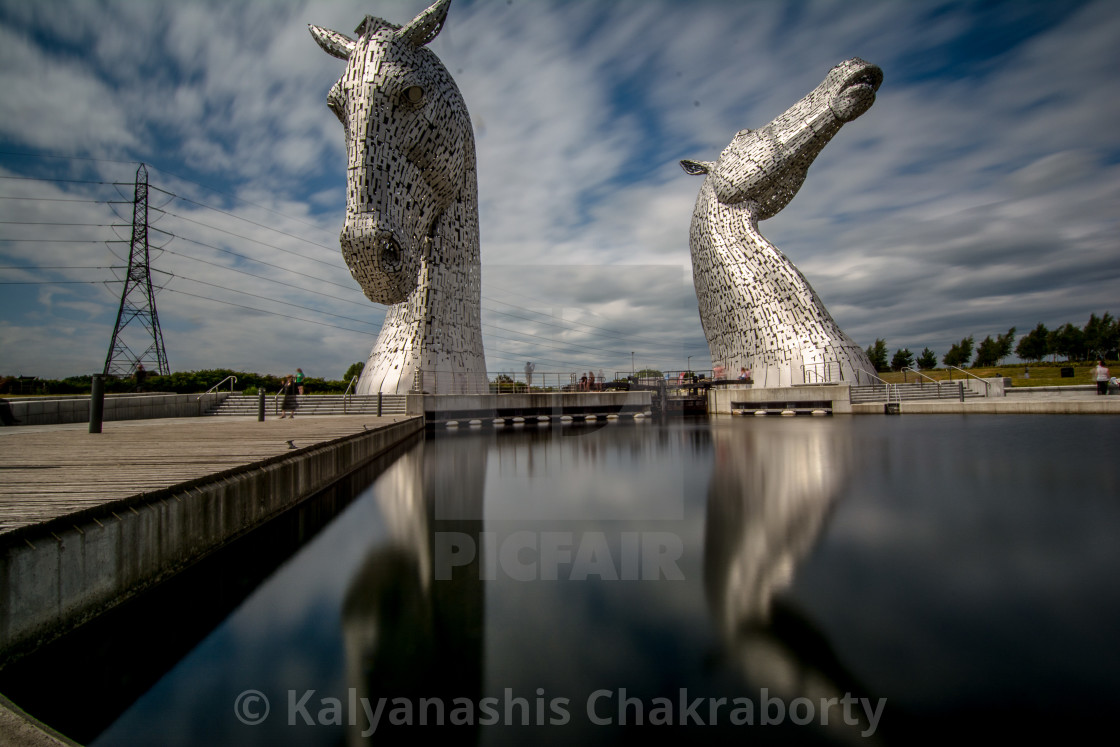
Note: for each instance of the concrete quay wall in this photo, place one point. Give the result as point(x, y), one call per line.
point(56, 575)
point(1001, 406)
point(50, 411)
point(442, 408)
point(725, 399)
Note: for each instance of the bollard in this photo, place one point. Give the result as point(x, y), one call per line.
point(379, 404)
point(961, 390)
point(96, 403)
point(260, 405)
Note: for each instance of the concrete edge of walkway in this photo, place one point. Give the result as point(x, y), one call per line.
point(22, 533)
point(997, 406)
point(78, 567)
point(20, 729)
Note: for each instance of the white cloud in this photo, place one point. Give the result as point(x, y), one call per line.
point(975, 195)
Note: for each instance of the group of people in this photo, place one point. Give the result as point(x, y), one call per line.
point(719, 373)
point(293, 385)
point(587, 382)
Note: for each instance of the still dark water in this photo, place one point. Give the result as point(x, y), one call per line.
point(860, 580)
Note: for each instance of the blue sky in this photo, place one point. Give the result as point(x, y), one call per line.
point(979, 193)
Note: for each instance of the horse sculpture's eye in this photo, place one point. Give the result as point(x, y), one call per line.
point(412, 96)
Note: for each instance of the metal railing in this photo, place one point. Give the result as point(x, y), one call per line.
point(888, 386)
point(231, 379)
point(829, 376)
point(987, 385)
point(347, 395)
point(510, 382)
point(914, 369)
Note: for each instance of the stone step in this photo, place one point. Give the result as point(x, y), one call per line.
point(315, 404)
point(909, 392)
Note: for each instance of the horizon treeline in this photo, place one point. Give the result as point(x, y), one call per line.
point(182, 382)
point(1099, 338)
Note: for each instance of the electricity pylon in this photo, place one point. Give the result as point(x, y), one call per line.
point(138, 301)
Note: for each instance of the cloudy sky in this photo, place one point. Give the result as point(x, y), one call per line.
point(980, 192)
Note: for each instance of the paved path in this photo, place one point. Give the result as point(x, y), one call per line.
point(49, 471)
point(1024, 401)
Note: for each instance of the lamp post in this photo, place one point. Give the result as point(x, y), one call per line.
point(631, 362)
point(689, 364)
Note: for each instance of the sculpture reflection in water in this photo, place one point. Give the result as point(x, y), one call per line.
point(415, 642)
point(769, 500)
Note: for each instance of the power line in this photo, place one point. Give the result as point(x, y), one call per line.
point(52, 223)
point(272, 313)
point(246, 220)
point(364, 305)
point(20, 154)
point(49, 199)
point(55, 282)
point(254, 259)
point(247, 238)
point(58, 267)
point(265, 298)
point(239, 199)
point(58, 181)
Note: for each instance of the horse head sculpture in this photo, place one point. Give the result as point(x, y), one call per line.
point(757, 309)
point(411, 233)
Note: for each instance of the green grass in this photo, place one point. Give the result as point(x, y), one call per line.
point(1042, 374)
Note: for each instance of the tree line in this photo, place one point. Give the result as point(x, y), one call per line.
point(1098, 338)
point(183, 382)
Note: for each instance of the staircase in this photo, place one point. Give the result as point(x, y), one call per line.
point(911, 391)
point(315, 405)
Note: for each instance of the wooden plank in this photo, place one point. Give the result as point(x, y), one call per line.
point(51, 471)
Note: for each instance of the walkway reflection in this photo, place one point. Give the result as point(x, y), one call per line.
point(769, 500)
point(407, 635)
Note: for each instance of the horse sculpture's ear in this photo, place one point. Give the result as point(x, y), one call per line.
point(427, 25)
point(696, 167)
point(333, 43)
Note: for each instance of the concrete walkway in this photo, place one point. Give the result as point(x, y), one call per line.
point(1019, 401)
point(51, 471)
point(89, 520)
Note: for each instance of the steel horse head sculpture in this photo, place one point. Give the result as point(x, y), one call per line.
point(758, 310)
point(411, 232)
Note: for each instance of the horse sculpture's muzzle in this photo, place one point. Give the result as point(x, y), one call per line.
point(854, 83)
point(377, 260)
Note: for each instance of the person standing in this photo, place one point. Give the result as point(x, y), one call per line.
point(1100, 374)
point(529, 368)
point(288, 403)
point(299, 379)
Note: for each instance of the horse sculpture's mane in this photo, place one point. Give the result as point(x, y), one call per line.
point(758, 310)
point(411, 232)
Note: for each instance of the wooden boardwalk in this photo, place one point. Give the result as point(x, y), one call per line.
point(51, 471)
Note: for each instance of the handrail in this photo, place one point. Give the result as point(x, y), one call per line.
point(938, 382)
point(929, 378)
point(231, 383)
point(806, 370)
point(987, 385)
point(827, 378)
point(276, 400)
point(346, 396)
point(889, 386)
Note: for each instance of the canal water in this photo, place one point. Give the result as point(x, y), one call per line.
point(840, 580)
